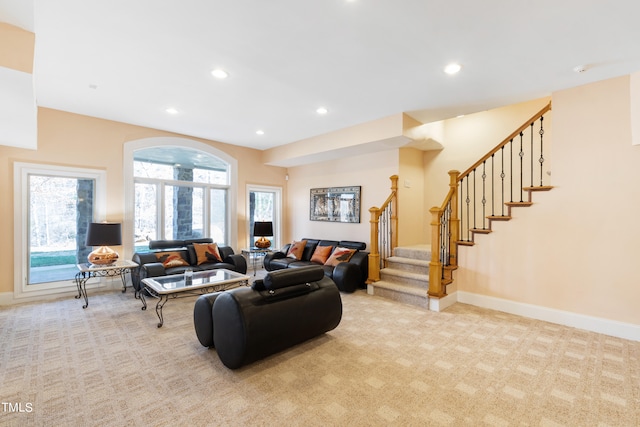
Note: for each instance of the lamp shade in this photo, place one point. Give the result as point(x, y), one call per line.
point(104, 234)
point(263, 229)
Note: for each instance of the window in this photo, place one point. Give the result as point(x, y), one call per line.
point(264, 204)
point(56, 205)
point(180, 192)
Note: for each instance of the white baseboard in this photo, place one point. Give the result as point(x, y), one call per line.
point(439, 304)
point(594, 324)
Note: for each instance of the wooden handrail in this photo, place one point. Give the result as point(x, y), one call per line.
point(505, 141)
point(374, 250)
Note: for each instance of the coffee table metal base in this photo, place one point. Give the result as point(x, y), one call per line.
point(163, 298)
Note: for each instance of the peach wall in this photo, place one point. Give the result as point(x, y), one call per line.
point(576, 248)
point(411, 198)
point(467, 139)
point(80, 141)
point(16, 48)
point(370, 171)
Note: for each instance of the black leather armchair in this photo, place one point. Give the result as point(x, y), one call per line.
point(285, 309)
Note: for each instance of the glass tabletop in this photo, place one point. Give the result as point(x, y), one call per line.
point(199, 279)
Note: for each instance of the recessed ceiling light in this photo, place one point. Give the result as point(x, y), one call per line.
point(322, 110)
point(259, 132)
point(452, 68)
point(219, 73)
point(171, 111)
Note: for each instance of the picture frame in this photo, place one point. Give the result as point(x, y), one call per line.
point(335, 204)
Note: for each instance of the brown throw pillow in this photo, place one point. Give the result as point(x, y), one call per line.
point(321, 254)
point(296, 249)
point(340, 255)
point(171, 259)
point(207, 252)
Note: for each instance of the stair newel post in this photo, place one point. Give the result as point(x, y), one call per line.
point(394, 212)
point(454, 222)
point(435, 265)
point(374, 251)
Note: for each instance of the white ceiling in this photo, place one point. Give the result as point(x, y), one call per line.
point(129, 60)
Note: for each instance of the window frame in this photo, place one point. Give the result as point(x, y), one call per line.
point(21, 173)
point(277, 207)
point(131, 147)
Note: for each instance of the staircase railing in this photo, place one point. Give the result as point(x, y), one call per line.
point(384, 232)
point(470, 205)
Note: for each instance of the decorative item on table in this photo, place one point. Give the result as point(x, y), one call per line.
point(103, 235)
point(263, 229)
point(188, 277)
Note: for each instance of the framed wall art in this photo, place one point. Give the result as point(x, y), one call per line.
point(335, 204)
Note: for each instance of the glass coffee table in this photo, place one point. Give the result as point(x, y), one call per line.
point(180, 285)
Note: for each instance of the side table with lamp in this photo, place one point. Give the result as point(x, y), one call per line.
point(103, 261)
point(262, 230)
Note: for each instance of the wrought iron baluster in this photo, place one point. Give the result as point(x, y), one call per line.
point(484, 197)
point(531, 130)
point(511, 168)
point(541, 156)
point(493, 182)
point(468, 200)
point(502, 176)
point(474, 199)
point(521, 154)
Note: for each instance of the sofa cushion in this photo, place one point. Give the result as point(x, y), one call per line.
point(296, 249)
point(206, 252)
point(171, 259)
point(340, 254)
point(321, 254)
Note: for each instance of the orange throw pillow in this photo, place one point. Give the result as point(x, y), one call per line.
point(340, 255)
point(207, 252)
point(321, 254)
point(296, 249)
point(171, 259)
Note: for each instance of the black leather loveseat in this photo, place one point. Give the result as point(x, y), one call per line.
point(286, 308)
point(348, 276)
point(166, 257)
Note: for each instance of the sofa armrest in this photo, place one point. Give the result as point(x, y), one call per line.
point(203, 318)
point(238, 261)
point(347, 276)
point(272, 255)
point(152, 269)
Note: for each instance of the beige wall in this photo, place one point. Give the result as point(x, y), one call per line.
point(80, 141)
point(466, 139)
point(576, 249)
point(411, 198)
point(370, 171)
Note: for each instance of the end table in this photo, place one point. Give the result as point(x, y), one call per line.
point(87, 271)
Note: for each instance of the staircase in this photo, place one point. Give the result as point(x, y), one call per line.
point(405, 277)
point(485, 192)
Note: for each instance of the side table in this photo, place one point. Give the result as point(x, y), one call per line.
point(252, 255)
point(87, 271)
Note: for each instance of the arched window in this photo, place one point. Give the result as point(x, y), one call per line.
point(181, 190)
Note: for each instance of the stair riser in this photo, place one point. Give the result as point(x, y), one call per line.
point(410, 268)
point(416, 283)
point(422, 302)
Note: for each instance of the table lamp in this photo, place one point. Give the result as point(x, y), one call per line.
point(103, 234)
point(263, 229)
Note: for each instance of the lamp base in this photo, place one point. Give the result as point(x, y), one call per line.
point(103, 256)
point(263, 243)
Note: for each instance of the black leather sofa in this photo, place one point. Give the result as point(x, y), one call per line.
point(348, 276)
point(150, 262)
point(284, 309)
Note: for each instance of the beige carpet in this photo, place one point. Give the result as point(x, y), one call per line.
point(385, 364)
